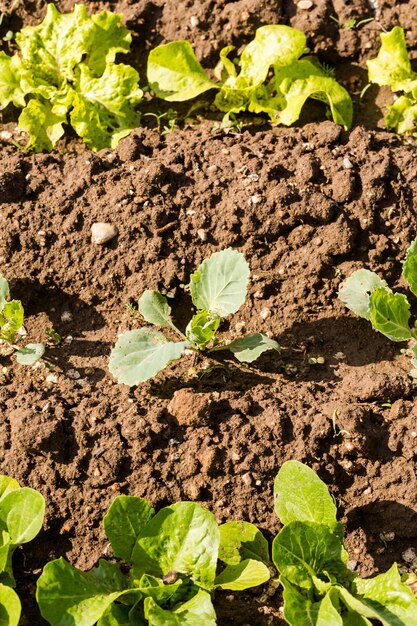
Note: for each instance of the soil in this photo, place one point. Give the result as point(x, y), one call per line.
point(307, 206)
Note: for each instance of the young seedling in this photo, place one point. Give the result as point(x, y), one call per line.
point(175, 74)
point(392, 67)
point(21, 517)
point(319, 588)
point(65, 72)
point(170, 567)
point(11, 321)
point(369, 296)
point(218, 289)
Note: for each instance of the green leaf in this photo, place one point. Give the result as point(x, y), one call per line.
point(123, 523)
point(115, 615)
point(151, 587)
point(392, 66)
point(43, 124)
point(301, 496)
point(219, 285)
point(300, 608)
point(4, 291)
point(140, 354)
point(22, 511)
point(108, 38)
point(249, 348)
point(7, 485)
point(202, 328)
point(67, 596)
point(246, 574)
point(154, 308)
point(304, 79)
point(303, 550)
point(389, 597)
point(10, 608)
point(29, 354)
point(410, 267)
point(11, 320)
point(103, 110)
point(390, 314)
point(191, 550)
point(273, 45)
point(402, 115)
point(11, 89)
point(175, 74)
point(241, 540)
point(6, 551)
point(198, 611)
point(355, 291)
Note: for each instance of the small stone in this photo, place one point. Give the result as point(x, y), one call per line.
point(73, 374)
point(304, 4)
point(225, 151)
point(239, 326)
point(101, 232)
point(247, 479)
point(5, 135)
point(409, 555)
point(66, 316)
point(52, 378)
point(235, 456)
point(256, 199)
point(318, 241)
point(352, 564)
point(348, 445)
point(202, 234)
point(347, 163)
point(97, 473)
point(194, 21)
point(340, 356)
point(265, 312)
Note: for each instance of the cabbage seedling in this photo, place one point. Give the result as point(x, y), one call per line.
point(170, 562)
point(369, 296)
point(21, 517)
point(218, 289)
point(11, 321)
point(319, 588)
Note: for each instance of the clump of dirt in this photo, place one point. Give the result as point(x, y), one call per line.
point(306, 206)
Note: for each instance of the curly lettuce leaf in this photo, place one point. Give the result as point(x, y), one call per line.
point(103, 110)
point(402, 115)
point(11, 88)
point(304, 79)
point(392, 66)
point(43, 124)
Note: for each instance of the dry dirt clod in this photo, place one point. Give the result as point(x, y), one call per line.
point(101, 232)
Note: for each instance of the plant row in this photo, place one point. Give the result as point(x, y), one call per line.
point(165, 566)
point(66, 73)
point(218, 288)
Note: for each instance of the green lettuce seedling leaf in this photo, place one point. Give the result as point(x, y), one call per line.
point(154, 308)
point(29, 354)
point(240, 541)
point(300, 608)
point(4, 291)
point(303, 550)
point(116, 615)
point(43, 124)
point(123, 523)
point(140, 354)
point(355, 291)
point(304, 79)
point(175, 74)
point(219, 285)
point(392, 66)
point(11, 320)
point(276, 45)
point(198, 611)
point(402, 115)
point(390, 314)
point(10, 607)
point(7, 485)
point(300, 495)
point(11, 87)
point(410, 267)
point(191, 550)
point(249, 348)
point(68, 596)
point(22, 511)
point(247, 573)
point(202, 327)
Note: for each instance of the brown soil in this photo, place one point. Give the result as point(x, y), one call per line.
point(306, 206)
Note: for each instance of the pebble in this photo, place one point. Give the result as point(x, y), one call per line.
point(409, 555)
point(347, 163)
point(101, 232)
point(5, 135)
point(73, 374)
point(305, 4)
point(66, 316)
point(247, 478)
point(52, 378)
point(265, 312)
point(202, 234)
point(194, 21)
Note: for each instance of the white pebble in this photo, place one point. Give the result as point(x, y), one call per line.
point(5, 135)
point(265, 312)
point(52, 378)
point(347, 163)
point(409, 555)
point(66, 316)
point(101, 232)
point(202, 234)
point(305, 4)
point(194, 21)
point(73, 374)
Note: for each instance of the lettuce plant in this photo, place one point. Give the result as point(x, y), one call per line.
point(168, 570)
point(66, 72)
point(245, 84)
point(369, 296)
point(218, 288)
point(11, 321)
point(21, 517)
point(319, 588)
point(392, 68)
